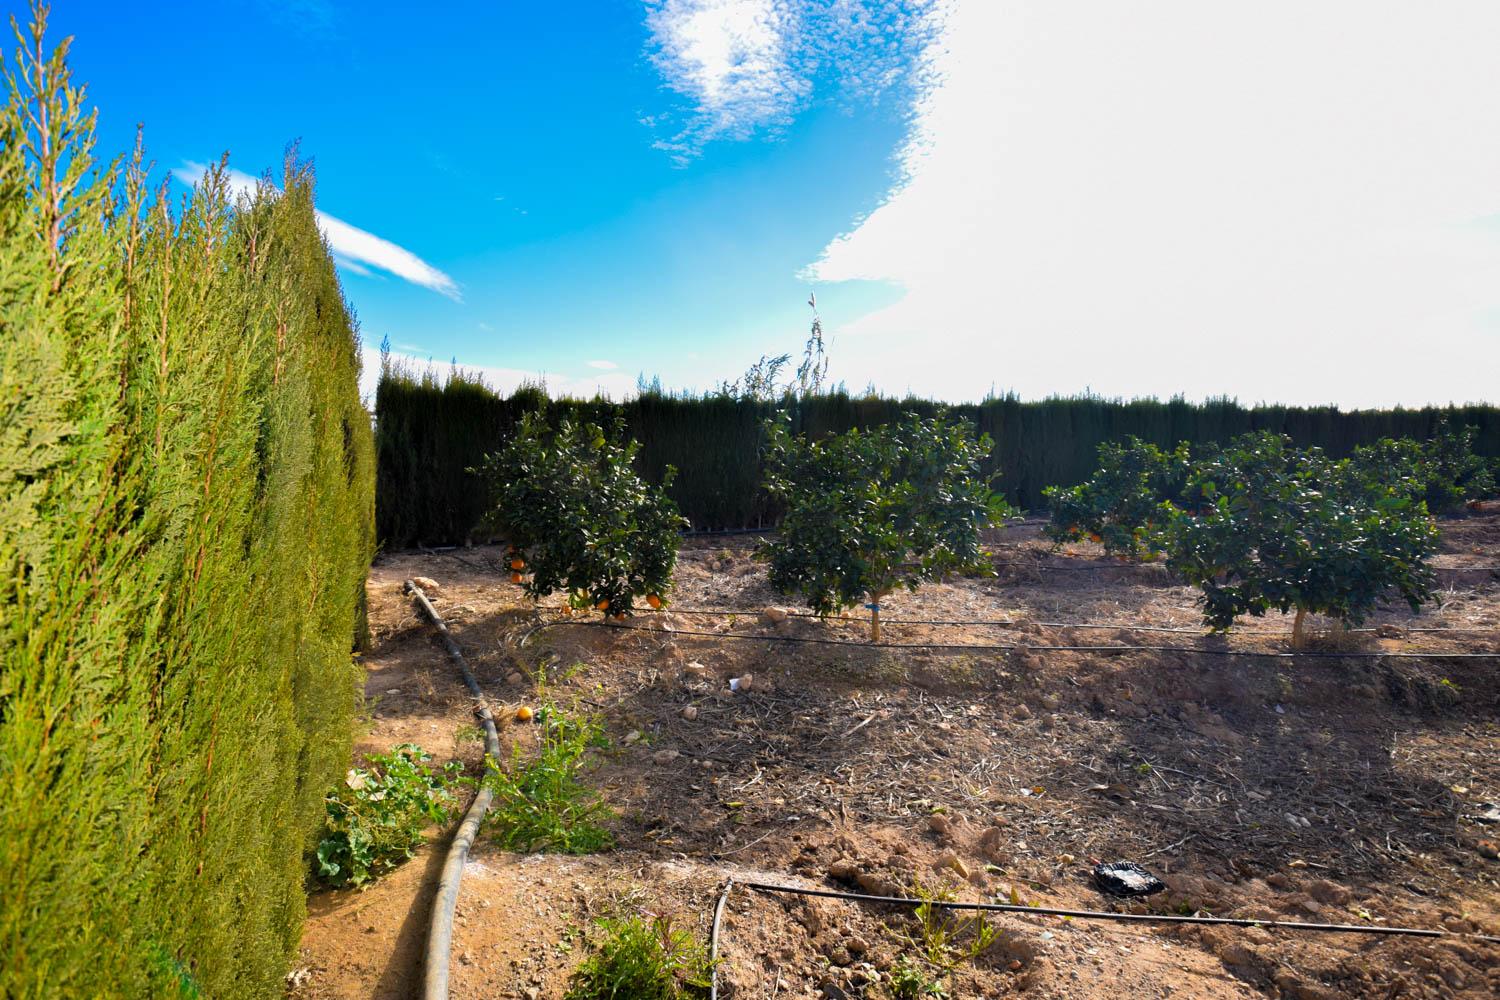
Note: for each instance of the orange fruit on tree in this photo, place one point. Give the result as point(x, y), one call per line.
point(602, 606)
point(515, 578)
point(518, 564)
point(654, 601)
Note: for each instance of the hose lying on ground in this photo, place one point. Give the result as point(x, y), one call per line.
point(1002, 647)
point(1014, 623)
point(1166, 918)
point(440, 930)
point(713, 942)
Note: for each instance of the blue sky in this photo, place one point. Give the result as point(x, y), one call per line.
point(1269, 200)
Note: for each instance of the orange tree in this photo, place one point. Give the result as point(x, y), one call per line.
point(1443, 471)
point(1292, 530)
point(868, 512)
point(579, 518)
point(1121, 506)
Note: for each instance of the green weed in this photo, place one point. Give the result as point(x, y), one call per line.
point(910, 982)
point(945, 936)
point(376, 816)
point(643, 960)
point(541, 803)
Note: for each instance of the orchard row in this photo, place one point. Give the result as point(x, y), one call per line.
point(1257, 524)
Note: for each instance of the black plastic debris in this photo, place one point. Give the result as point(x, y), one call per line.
point(1488, 813)
point(1126, 878)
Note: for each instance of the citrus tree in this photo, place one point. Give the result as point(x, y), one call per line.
point(1443, 472)
point(1121, 506)
point(579, 518)
point(868, 512)
point(1291, 530)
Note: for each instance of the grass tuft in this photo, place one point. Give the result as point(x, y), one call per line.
point(542, 803)
point(643, 960)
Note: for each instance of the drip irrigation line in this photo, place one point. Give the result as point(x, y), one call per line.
point(713, 942)
point(440, 930)
point(1012, 623)
point(998, 647)
point(1050, 911)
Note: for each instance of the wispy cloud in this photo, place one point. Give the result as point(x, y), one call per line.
point(729, 58)
point(353, 248)
point(606, 365)
point(1188, 197)
point(744, 66)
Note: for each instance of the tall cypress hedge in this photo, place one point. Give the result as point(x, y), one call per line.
point(431, 430)
point(186, 522)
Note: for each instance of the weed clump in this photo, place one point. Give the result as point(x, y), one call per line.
point(542, 803)
point(376, 815)
point(643, 960)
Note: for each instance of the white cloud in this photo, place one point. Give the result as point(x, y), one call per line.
point(614, 385)
point(748, 65)
point(353, 248)
point(729, 57)
point(1277, 201)
point(606, 365)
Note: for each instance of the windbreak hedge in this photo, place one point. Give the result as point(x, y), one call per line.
point(186, 515)
point(430, 431)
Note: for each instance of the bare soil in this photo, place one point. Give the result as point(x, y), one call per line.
point(1335, 790)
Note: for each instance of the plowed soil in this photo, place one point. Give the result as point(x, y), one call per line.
point(1340, 789)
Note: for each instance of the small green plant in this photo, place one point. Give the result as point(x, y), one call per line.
point(541, 803)
point(870, 512)
point(376, 815)
point(945, 935)
point(909, 981)
point(641, 959)
point(1121, 506)
point(580, 519)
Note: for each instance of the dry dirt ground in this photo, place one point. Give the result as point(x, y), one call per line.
point(1334, 790)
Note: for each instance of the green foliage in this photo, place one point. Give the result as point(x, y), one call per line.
point(1443, 472)
point(867, 512)
point(432, 427)
point(642, 959)
point(580, 518)
point(1290, 529)
point(909, 981)
point(944, 936)
point(186, 491)
point(541, 802)
point(376, 815)
point(1121, 505)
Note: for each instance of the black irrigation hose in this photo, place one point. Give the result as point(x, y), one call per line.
point(440, 931)
point(1011, 623)
point(1289, 925)
point(713, 942)
point(998, 647)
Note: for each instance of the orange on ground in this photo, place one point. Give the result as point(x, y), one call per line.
point(523, 714)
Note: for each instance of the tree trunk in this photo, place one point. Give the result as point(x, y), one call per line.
point(1299, 640)
point(874, 618)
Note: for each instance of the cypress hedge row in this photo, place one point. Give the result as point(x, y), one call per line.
point(186, 522)
point(431, 430)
